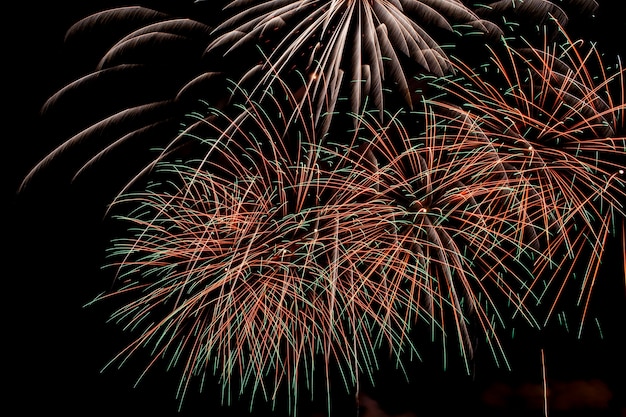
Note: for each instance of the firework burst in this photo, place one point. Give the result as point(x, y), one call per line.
point(269, 249)
point(154, 64)
point(361, 46)
point(279, 249)
point(560, 129)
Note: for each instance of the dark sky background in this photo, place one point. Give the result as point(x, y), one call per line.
point(56, 241)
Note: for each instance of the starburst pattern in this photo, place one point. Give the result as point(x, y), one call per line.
point(351, 37)
point(270, 246)
point(367, 45)
point(155, 64)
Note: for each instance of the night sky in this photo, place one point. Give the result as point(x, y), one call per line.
point(58, 234)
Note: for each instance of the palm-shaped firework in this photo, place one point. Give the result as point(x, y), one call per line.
point(361, 46)
point(156, 64)
point(347, 185)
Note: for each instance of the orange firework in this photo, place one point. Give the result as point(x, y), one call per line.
point(555, 118)
point(279, 248)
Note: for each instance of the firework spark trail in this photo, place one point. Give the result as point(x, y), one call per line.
point(360, 47)
point(285, 242)
point(560, 130)
point(354, 42)
point(282, 247)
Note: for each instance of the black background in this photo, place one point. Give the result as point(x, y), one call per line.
point(57, 236)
